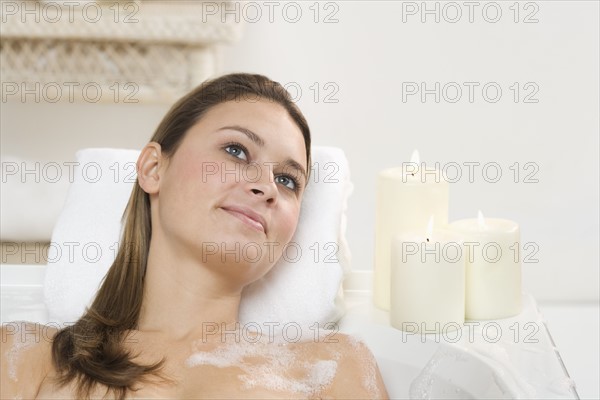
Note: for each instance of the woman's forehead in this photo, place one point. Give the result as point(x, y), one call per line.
point(263, 112)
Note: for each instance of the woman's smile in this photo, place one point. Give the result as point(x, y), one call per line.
point(248, 217)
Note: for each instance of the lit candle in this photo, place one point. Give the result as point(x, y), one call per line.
point(406, 197)
point(493, 279)
point(428, 281)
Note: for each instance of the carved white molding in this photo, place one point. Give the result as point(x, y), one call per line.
point(148, 50)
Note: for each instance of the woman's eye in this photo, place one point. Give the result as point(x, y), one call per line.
point(236, 151)
point(287, 181)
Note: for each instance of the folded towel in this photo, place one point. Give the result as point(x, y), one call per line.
point(301, 289)
point(86, 235)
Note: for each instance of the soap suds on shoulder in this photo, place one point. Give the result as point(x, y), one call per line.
point(276, 365)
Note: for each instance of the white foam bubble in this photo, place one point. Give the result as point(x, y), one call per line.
point(322, 373)
point(221, 358)
point(368, 365)
point(14, 353)
point(369, 380)
point(273, 366)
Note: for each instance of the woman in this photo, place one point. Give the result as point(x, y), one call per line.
point(146, 333)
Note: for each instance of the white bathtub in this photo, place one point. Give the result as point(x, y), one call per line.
point(509, 358)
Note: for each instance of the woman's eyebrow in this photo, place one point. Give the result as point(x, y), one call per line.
point(251, 135)
point(259, 142)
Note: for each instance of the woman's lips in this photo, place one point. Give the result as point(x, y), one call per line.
point(248, 217)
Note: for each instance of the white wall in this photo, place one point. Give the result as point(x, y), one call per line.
point(367, 55)
point(55, 131)
point(370, 52)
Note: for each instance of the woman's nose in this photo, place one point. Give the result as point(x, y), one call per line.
point(263, 185)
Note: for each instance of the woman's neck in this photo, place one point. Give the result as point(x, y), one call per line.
point(183, 298)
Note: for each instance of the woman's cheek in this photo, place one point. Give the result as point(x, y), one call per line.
point(290, 222)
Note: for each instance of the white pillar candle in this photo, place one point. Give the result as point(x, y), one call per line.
point(406, 197)
point(427, 281)
point(493, 280)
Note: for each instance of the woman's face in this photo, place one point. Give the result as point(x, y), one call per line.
point(230, 195)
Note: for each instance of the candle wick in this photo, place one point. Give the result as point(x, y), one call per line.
point(428, 239)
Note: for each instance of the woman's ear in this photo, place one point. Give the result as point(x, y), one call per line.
point(148, 167)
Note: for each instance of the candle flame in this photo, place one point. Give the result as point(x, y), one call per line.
point(480, 219)
point(414, 158)
point(430, 227)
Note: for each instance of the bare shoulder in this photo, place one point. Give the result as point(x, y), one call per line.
point(357, 375)
point(26, 358)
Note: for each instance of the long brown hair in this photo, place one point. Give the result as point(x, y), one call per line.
point(90, 352)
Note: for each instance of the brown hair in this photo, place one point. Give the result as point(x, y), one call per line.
point(90, 352)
